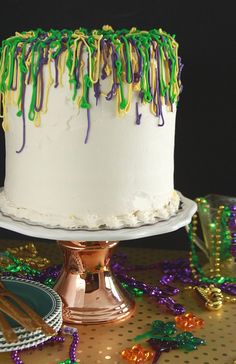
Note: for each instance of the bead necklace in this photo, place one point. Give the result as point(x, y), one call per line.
point(198, 273)
point(163, 337)
point(232, 229)
point(15, 355)
point(160, 293)
point(17, 265)
point(211, 294)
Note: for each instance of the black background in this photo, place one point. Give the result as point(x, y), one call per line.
point(205, 134)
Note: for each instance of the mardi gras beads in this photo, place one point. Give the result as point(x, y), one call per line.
point(185, 341)
point(232, 229)
point(167, 341)
point(137, 354)
point(212, 296)
point(134, 291)
point(29, 254)
point(188, 321)
point(188, 342)
point(158, 329)
point(17, 265)
point(15, 355)
point(220, 240)
point(215, 278)
point(160, 347)
point(180, 270)
point(160, 293)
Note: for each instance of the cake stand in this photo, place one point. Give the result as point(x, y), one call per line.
point(89, 291)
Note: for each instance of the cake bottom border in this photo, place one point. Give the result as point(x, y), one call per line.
point(165, 213)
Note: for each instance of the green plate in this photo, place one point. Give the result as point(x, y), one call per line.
point(40, 298)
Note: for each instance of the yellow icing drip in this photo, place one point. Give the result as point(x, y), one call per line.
point(61, 68)
point(78, 37)
point(97, 60)
point(82, 82)
point(37, 120)
point(49, 84)
point(3, 62)
point(5, 123)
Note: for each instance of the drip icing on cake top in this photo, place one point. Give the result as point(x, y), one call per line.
point(136, 61)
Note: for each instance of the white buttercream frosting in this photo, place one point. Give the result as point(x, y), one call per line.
point(135, 218)
point(122, 177)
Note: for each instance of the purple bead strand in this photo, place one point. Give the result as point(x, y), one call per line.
point(15, 355)
point(160, 293)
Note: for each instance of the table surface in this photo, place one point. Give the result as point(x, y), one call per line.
point(102, 344)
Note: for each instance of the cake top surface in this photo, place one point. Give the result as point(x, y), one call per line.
point(135, 61)
point(106, 32)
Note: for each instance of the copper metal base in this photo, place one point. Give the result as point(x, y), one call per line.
point(89, 291)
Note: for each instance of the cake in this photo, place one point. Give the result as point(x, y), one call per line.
point(89, 121)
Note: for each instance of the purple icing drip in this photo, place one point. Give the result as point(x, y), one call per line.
point(179, 74)
point(105, 50)
point(43, 60)
point(26, 56)
point(115, 85)
point(111, 93)
point(180, 68)
point(167, 95)
point(138, 116)
point(29, 76)
point(137, 75)
point(97, 91)
point(56, 71)
point(29, 50)
point(141, 95)
point(89, 121)
point(166, 99)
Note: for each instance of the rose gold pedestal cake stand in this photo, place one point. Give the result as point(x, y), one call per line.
point(88, 289)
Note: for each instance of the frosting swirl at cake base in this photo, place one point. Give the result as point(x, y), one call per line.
point(91, 222)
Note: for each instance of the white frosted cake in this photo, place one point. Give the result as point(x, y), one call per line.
point(89, 120)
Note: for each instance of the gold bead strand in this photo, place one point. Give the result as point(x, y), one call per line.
point(194, 230)
point(216, 258)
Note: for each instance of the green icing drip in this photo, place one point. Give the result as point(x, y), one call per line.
point(87, 84)
point(128, 59)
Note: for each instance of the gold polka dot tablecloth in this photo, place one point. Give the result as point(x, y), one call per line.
point(102, 344)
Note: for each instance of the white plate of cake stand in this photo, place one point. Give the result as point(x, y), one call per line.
point(89, 291)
